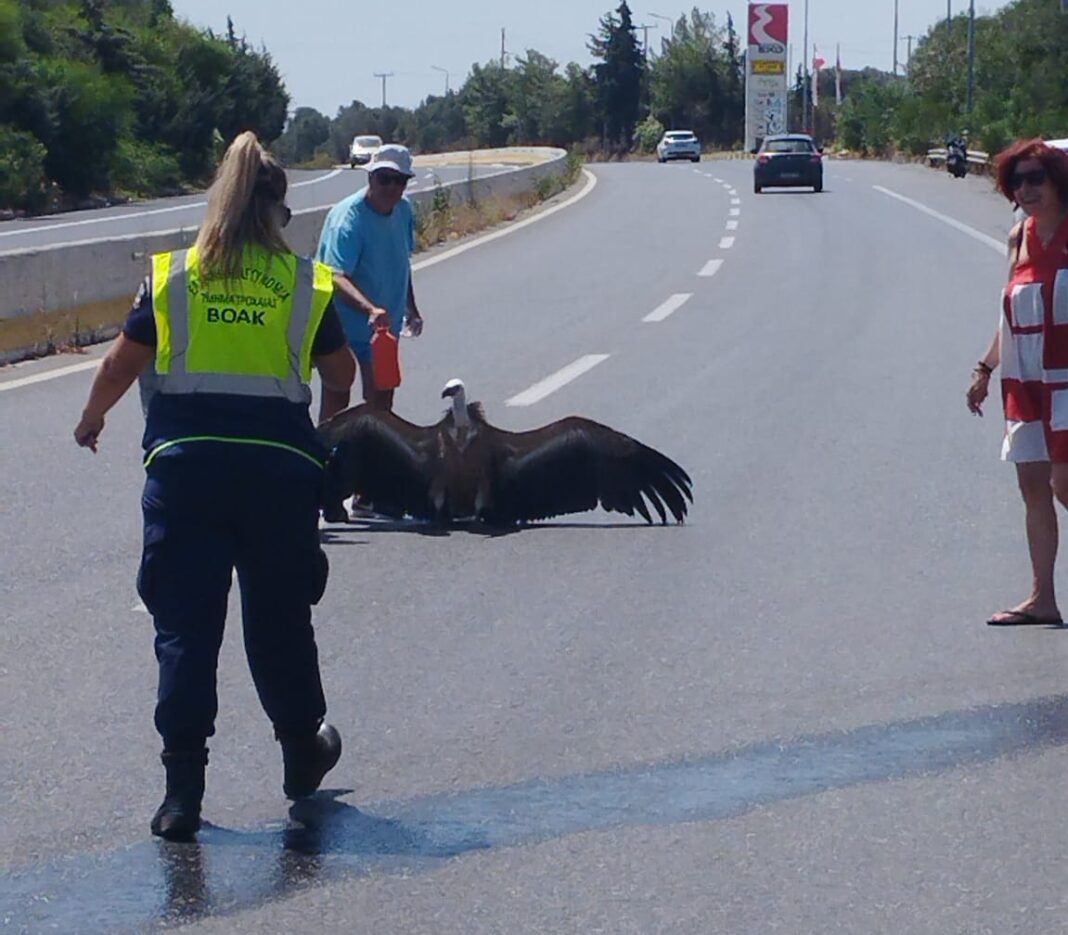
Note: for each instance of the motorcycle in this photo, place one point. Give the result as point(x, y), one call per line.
point(956, 158)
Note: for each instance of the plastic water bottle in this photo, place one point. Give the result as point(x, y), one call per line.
point(385, 360)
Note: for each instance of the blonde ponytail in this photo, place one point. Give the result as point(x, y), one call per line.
point(242, 209)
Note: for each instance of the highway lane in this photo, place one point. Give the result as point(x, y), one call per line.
point(309, 190)
point(786, 714)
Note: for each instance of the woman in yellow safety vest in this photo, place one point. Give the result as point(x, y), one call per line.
point(228, 331)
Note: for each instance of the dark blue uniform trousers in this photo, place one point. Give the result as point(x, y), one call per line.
point(214, 507)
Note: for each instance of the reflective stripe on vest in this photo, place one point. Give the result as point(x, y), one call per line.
point(227, 337)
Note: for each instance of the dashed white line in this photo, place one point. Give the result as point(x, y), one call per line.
point(559, 379)
point(718, 180)
point(710, 268)
point(726, 243)
point(673, 304)
point(991, 242)
point(736, 201)
point(734, 212)
point(732, 225)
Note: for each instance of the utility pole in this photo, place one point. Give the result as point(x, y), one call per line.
point(949, 18)
point(503, 53)
point(908, 54)
point(895, 38)
point(645, 38)
point(383, 76)
point(971, 61)
point(439, 68)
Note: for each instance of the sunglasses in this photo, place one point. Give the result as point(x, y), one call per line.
point(390, 178)
point(1034, 178)
point(287, 215)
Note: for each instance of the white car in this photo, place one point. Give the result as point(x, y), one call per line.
point(678, 144)
point(362, 149)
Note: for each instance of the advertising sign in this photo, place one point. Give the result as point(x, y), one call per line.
point(765, 76)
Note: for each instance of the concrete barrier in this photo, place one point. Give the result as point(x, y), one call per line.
point(94, 279)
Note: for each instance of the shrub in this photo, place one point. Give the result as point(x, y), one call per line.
point(23, 184)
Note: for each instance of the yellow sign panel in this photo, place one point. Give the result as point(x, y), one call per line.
point(768, 67)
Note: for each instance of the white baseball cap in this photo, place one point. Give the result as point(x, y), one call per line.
point(392, 156)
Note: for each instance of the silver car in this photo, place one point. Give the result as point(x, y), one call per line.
point(678, 144)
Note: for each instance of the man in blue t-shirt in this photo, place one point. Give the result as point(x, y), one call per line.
point(367, 240)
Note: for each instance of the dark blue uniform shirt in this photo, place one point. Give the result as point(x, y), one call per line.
point(180, 416)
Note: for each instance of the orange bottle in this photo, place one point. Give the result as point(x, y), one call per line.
point(385, 360)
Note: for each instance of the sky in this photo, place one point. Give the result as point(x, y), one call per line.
point(330, 51)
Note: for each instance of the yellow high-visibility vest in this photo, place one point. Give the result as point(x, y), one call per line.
point(250, 336)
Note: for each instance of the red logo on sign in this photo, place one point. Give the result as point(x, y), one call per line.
point(767, 23)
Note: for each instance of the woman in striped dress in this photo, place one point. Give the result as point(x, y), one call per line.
point(1031, 345)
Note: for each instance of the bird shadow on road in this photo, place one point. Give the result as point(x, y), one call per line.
point(343, 535)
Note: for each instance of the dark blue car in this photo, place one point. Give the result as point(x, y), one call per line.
point(787, 161)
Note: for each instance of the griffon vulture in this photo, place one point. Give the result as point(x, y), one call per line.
point(464, 468)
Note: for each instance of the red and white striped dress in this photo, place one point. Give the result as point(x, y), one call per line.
point(1034, 350)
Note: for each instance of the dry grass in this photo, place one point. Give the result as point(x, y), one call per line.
point(442, 224)
point(44, 333)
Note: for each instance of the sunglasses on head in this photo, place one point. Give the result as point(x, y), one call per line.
point(391, 178)
point(1034, 178)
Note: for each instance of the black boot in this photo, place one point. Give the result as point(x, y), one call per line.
point(178, 818)
point(308, 758)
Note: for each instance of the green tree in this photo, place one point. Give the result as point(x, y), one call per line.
point(485, 101)
point(303, 135)
point(618, 76)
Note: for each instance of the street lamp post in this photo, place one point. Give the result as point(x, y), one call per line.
point(439, 68)
point(971, 61)
point(895, 38)
point(666, 19)
point(804, 76)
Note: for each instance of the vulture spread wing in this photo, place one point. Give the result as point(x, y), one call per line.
point(382, 457)
point(575, 464)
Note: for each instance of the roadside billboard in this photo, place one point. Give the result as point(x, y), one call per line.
point(765, 72)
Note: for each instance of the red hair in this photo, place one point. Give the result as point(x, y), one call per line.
point(1053, 160)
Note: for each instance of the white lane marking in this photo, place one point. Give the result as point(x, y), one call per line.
point(732, 225)
point(673, 304)
point(710, 268)
point(732, 191)
point(991, 242)
point(736, 201)
point(718, 180)
point(591, 181)
point(49, 375)
point(734, 212)
point(726, 243)
point(48, 228)
point(559, 379)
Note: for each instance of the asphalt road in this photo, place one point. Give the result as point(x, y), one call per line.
point(785, 716)
point(308, 190)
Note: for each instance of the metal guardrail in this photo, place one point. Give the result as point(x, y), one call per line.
point(974, 156)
